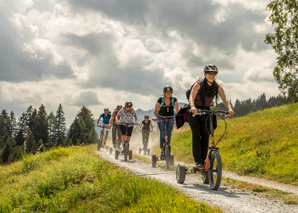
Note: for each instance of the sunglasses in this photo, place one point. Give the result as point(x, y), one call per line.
point(128, 107)
point(212, 73)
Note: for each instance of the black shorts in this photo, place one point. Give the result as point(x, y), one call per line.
point(123, 130)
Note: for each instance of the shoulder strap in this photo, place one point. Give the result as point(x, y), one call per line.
point(173, 102)
point(162, 103)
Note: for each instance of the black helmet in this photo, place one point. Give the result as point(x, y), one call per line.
point(167, 88)
point(146, 116)
point(119, 106)
point(210, 68)
point(128, 104)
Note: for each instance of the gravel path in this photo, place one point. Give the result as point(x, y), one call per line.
point(229, 200)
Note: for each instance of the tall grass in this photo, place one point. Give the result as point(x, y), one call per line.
point(263, 144)
point(75, 179)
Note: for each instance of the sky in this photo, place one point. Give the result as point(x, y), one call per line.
point(99, 53)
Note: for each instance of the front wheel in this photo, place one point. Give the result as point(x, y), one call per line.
point(215, 170)
point(154, 160)
point(180, 173)
point(148, 151)
point(130, 154)
point(116, 154)
point(168, 157)
point(99, 144)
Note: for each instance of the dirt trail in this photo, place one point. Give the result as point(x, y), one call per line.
point(229, 200)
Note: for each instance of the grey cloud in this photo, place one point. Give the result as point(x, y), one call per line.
point(86, 98)
point(260, 76)
point(129, 11)
point(17, 65)
point(192, 19)
point(94, 43)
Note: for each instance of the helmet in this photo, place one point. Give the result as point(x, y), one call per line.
point(210, 68)
point(146, 116)
point(119, 106)
point(106, 109)
point(167, 88)
point(128, 104)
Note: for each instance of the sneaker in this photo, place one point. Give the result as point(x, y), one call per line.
point(199, 164)
point(161, 154)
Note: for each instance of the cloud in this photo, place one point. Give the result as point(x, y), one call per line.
point(31, 61)
point(86, 98)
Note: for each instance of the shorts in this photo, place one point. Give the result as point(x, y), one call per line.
point(107, 127)
point(123, 130)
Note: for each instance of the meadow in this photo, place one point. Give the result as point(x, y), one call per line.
point(76, 179)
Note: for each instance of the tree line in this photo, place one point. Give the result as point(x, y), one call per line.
point(244, 107)
point(36, 131)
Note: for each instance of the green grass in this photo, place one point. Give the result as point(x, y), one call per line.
point(262, 144)
point(75, 179)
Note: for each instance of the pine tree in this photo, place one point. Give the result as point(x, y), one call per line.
point(13, 124)
point(60, 140)
point(41, 125)
point(7, 151)
point(61, 124)
point(21, 130)
point(52, 127)
point(30, 143)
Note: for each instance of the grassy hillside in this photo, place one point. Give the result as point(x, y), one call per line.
point(263, 144)
point(75, 179)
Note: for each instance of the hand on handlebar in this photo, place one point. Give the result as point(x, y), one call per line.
point(194, 111)
point(231, 113)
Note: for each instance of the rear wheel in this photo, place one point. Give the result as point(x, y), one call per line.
point(140, 150)
point(126, 150)
point(116, 154)
point(111, 150)
point(215, 170)
point(154, 160)
point(180, 173)
point(205, 178)
point(130, 154)
point(172, 159)
point(148, 151)
point(168, 157)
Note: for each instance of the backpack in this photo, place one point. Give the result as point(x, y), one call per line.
point(163, 102)
point(189, 90)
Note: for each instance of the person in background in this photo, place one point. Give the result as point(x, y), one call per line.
point(165, 108)
point(125, 118)
point(145, 127)
point(106, 119)
point(116, 132)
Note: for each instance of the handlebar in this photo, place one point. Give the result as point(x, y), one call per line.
point(207, 111)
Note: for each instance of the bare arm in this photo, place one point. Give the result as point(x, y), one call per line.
point(98, 121)
point(157, 105)
point(176, 106)
point(151, 126)
point(225, 101)
point(192, 96)
point(136, 118)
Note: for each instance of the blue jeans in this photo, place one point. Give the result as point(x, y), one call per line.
point(161, 125)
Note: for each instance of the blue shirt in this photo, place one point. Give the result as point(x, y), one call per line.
point(106, 118)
